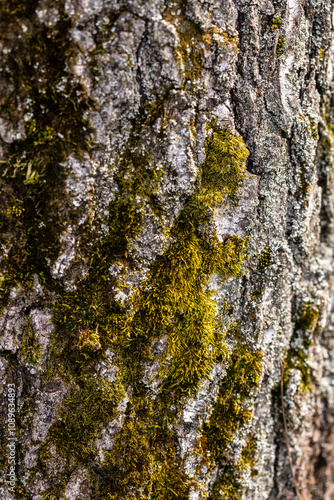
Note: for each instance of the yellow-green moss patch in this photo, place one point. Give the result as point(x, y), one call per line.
point(83, 411)
point(265, 259)
point(280, 46)
point(174, 301)
point(301, 340)
point(30, 348)
point(229, 483)
point(276, 22)
point(231, 413)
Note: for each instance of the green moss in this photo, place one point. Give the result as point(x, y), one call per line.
point(86, 408)
point(308, 317)
point(265, 259)
point(224, 169)
point(174, 301)
point(191, 47)
point(143, 462)
point(298, 352)
point(231, 413)
point(229, 483)
point(314, 129)
point(280, 46)
point(276, 22)
point(248, 454)
point(257, 294)
point(30, 348)
point(297, 356)
point(175, 298)
point(304, 186)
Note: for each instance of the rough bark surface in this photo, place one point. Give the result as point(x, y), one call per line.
point(167, 249)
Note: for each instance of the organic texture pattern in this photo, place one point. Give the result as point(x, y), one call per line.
point(166, 267)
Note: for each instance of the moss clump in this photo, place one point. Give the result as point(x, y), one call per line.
point(175, 299)
point(30, 348)
point(265, 259)
point(300, 343)
point(41, 92)
point(305, 186)
point(314, 129)
point(308, 318)
point(228, 485)
point(280, 46)
point(143, 462)
point(83, 411)
point(231, 413)
point(191, 47)
point(248, 454)
point(297, 355)
point(276, 22)
point(174, 302)
point(224, 169)
point(257, 294)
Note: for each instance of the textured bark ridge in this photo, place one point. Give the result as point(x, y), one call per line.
point(167, 242)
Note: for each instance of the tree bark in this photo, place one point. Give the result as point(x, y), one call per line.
point(166, 274)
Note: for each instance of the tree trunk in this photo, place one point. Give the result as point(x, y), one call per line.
point(167, 249)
